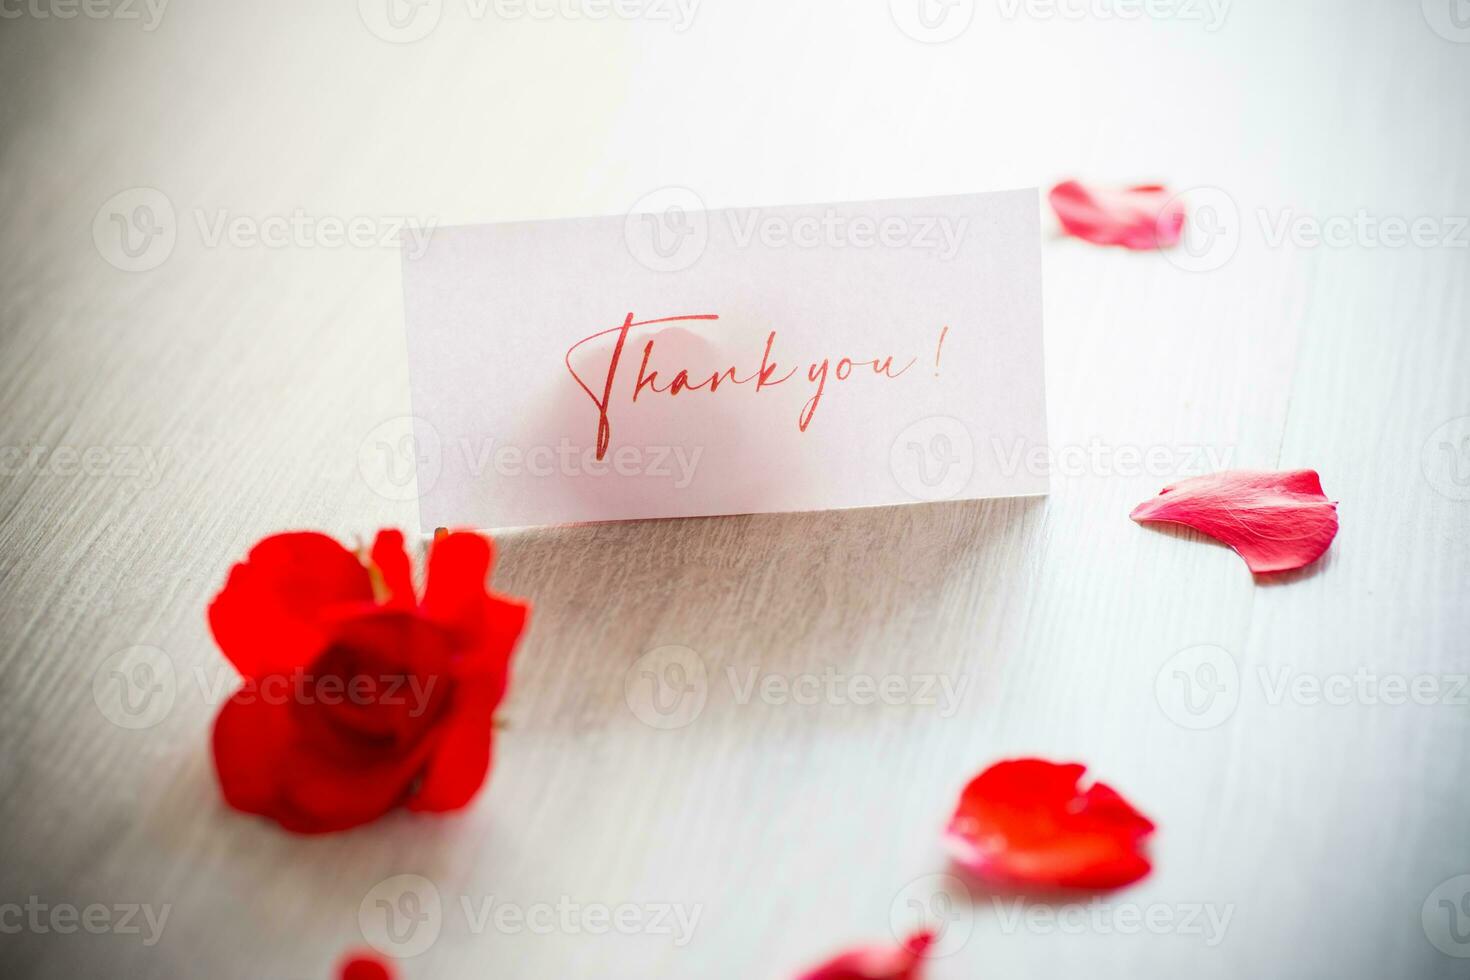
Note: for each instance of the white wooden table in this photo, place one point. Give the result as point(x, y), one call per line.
point(225, 391)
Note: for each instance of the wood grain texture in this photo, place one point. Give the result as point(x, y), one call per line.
point(253, 375)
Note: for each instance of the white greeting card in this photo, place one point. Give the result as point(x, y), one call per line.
point(677, 362)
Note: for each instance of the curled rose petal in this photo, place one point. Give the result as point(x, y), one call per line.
point(1142, 217)
point(389, 568)
point(1275, 521)
point(877, 962)
point(1026, 823)
point(280, 592)
point(364, 966)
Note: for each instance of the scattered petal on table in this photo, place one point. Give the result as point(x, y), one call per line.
point(877, 962)
point(365, 966)
point(1275, 521)
point(1026, 823)
point(1142, 217)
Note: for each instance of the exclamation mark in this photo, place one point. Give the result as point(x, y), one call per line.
point(939, 351)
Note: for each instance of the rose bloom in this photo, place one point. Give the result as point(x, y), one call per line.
point(358, 696)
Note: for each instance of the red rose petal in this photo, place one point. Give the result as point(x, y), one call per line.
point(324, 796)
point(455, 590)
point(455, 596)
point(1275, 521)
point(267, 765)
point(364, 966)
point(1026, 823)
point(248, 744)
point(461, 760)
point(490, 626)
point(267, 617)
point(877, 962)
point(391, 562)
point(1142, 217)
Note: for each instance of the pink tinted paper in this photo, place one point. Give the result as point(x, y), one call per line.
point(686, 362)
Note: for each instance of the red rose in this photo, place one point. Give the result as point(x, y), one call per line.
point(357, 696)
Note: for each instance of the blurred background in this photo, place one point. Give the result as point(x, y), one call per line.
point(199, 276)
